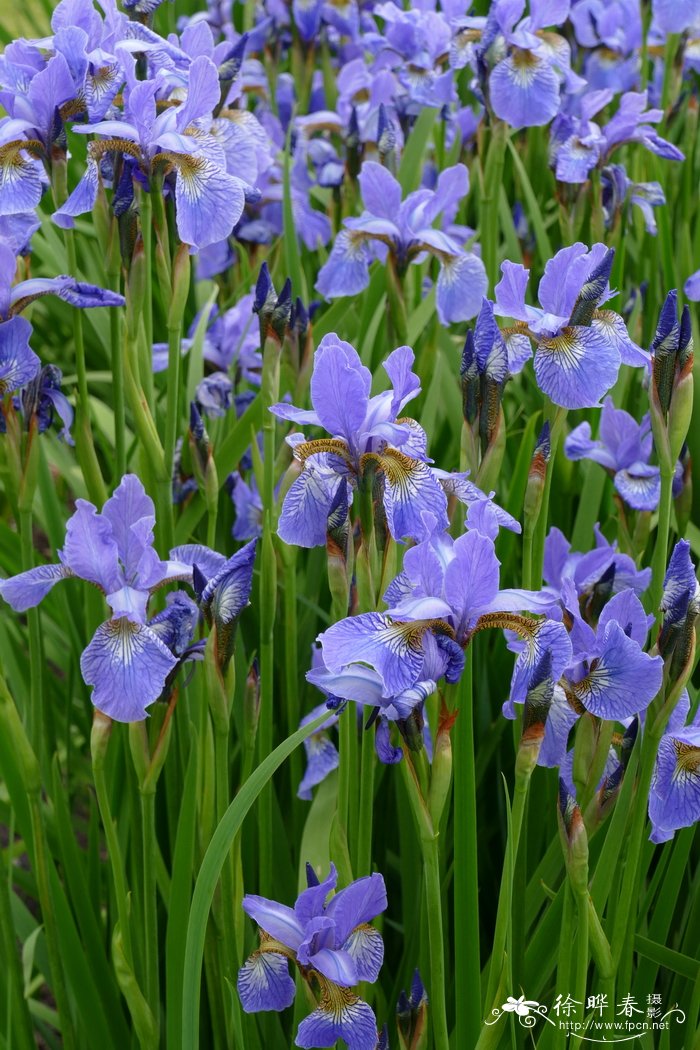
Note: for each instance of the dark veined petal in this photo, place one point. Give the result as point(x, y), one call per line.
point(18, 362)
point(20, 181)
point(540, 636)
point(674, 798)
point(623, 680)
point(27, 589)
point(366, 947)
point(304, 517)
point(410, 490)
point(77, 293)
point(127, 665)
point(524, 90)
point(264, 982)
point(394, 650)
point(639, 486)
point(577, 367)
point(209, 201)
point(340, 1015)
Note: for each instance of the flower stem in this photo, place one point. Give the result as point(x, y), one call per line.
point(35, 721)
point(18, 1030)
point(491, 181)
point(663, 529)
point(503, 914)
point(268, 602)
point(433, 899)
point(557, 417)
point(116, 861)
point(466, 872)
point(363, 852)
point(117, 360)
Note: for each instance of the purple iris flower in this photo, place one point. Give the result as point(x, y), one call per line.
point(596, 574)
point(624, 450)
point(362, 429)
point(40, 400)
point(127, 662)
point(609, 674)
point(321, 753)
point(579, 346)
point(612, 30)
point(675, 16)
point(674, 796)
point(579, 144)
point(331, 941)
point(214, 394)
point(209, 199)
point(618, 188)
point(404, 229)
point(524, 83)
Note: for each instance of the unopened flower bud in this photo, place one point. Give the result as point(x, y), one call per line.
point(536, 477)
point(412, 1016)
point(574, 839)
point(441, 767)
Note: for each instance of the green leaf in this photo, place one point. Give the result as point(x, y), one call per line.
point(411, 168)
point(534, 213)
point(659, 953)
point(209, 873)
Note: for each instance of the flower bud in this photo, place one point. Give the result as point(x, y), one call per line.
point(441, 768)
point(135, 290)
point(412, 1016)
point(574, 839)
point(538, 701)
point(181, 286)
point(536, 477)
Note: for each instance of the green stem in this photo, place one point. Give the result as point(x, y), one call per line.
point(228, 882)
point(466, 866)
point(627, 896)
point(150, 915)
point(363, 852)
point(146, 211)
point(557, 417)
point(114, 852)
point(582, 948)
point(85, 444)
point(492, 180)
point(36, 722)
point(433, 901)
point(663, 529)
point(503, 914)
point(268, 602)
point(118, 400)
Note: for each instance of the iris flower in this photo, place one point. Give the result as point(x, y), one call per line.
point(404, 230)
point(127, 662)
point(579, 345)
point(334, 946)
point(624, 450)
point(674, 797)
point(208, 200)
point(364, 430)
